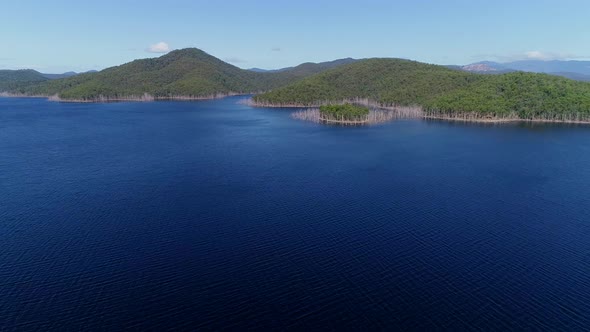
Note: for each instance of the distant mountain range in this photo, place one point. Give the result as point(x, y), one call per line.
point(184, 74)
point(440, 91)
point(66, 74)
point(577, 70)
point(14, 79)
point(308, 67)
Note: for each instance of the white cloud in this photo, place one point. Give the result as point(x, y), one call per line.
point(536, 55)
point(160, 47)
point(547, 56)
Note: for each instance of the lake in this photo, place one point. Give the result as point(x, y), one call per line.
point(213, 215)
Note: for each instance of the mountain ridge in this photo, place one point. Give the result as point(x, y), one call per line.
point(573, 69)
point(15, 79)
point(186, 74)
point(324, 64)
point(438, 90)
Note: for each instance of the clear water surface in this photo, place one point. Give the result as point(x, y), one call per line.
point(214, 215)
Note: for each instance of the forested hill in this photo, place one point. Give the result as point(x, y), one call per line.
point(387, 81)
point(15, 79)
point(181, 73)
point(522, 95)
point(441, 91)
point(438, 90)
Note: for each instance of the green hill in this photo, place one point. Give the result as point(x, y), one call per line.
point(181, 73)
point(519, 94)
point(386, 81)
point(440, 91)
point(15, 79)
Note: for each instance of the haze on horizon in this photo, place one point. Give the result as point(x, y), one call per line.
point(62, 35)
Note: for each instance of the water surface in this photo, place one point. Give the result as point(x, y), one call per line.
point(215, 215)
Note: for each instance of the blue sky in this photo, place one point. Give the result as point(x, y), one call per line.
point(59, 35)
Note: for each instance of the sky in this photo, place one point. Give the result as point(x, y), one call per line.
point(57, 36)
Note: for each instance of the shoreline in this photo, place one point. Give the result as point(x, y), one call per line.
point(416, 112)
point(344, 122)
point(474, 120)
point(503, 120)
point(144, 98)
point(375, 116)
point(407, 112)
point(357, 100)
point(19, 95)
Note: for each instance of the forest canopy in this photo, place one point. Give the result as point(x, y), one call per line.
point(440, 91)
point(345, 112)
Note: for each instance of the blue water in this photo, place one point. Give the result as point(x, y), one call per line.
point(215, 215)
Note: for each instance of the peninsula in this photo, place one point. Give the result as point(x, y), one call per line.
point(440, 93)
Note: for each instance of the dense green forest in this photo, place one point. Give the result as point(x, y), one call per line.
point(16, 79)
point(346, 112)
point(521, 95)
point(440, 91)
point(386, 81)
point(181, 73)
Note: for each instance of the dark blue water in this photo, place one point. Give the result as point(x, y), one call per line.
point(215, 215)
